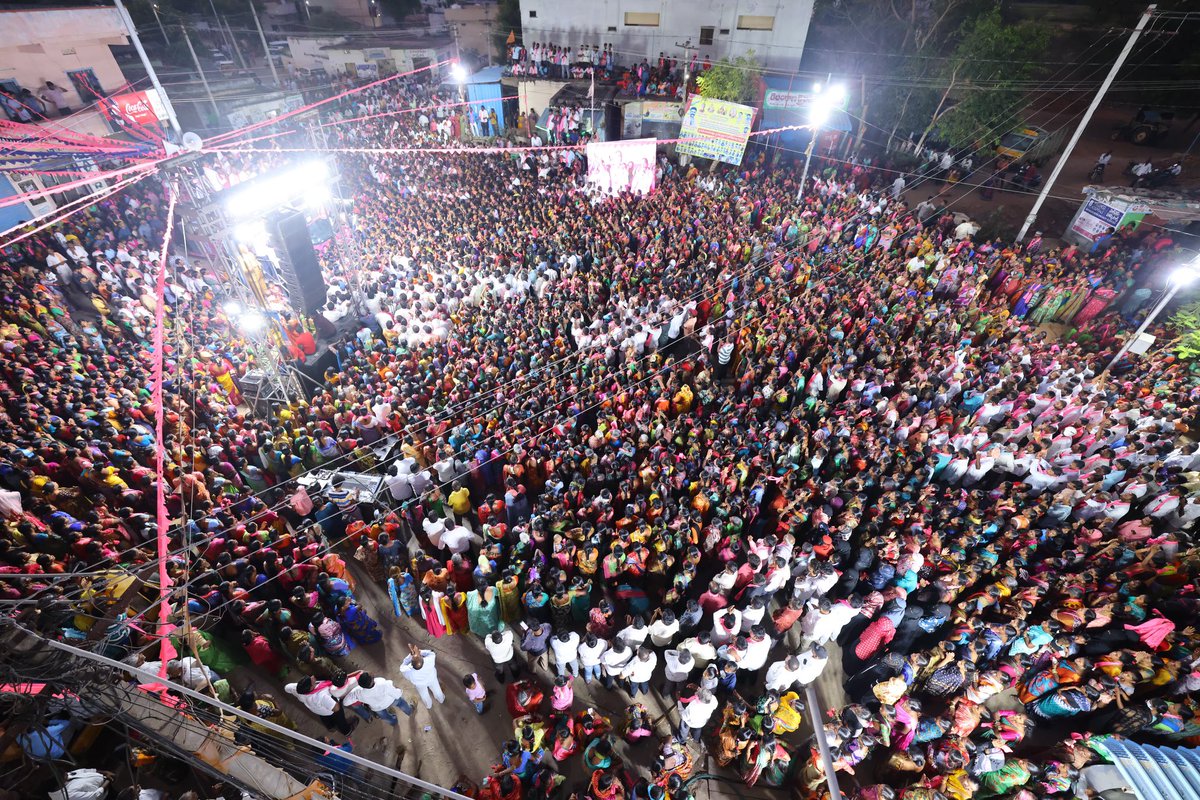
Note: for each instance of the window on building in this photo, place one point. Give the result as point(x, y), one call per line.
point(641, 19)
point(533, 15)
point(752, 22)
point(724, 31)
point(706, 36)
point(612, 28)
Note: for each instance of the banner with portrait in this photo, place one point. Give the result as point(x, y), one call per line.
point(626, 165)
point(715, 129)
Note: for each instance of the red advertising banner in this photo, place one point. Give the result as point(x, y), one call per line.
point(136, 107)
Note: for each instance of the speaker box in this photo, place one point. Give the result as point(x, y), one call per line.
point(612, 122)
point(298, 266)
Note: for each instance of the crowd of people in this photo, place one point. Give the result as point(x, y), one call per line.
point(694, 445)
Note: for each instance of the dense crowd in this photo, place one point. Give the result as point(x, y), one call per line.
point(696, 444)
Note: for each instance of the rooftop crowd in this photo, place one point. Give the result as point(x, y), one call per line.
point(693, 445)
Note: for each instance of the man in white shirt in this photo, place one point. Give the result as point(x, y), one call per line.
point(565, 646)
point(458, 539)
point(379, 695)
point(783, 675)
point(640, 670)
point(664, 628)
point(591, 654)
point(701, 647)
point(678, 666)
point(812, 664)
point(420, 669)
point(84, 784)
point(758, 648)
point(614, 662)
point(317, 697)
point(694, 715)
point(500, 647)
point(399, 485)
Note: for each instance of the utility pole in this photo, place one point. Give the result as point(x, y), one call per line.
point(237, 47)
point(158, 19)
point(266, 50)
point(816, 715)
point(1087, 117)
point(687, 65)
point(200, 72)
point(141, 51)
point(217, 20)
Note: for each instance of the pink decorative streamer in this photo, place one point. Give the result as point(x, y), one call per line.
point(60, 213)
point(62, 187)
point(311, 106)
point(166, 651)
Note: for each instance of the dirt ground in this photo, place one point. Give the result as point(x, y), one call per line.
point(1010, 208)
point(450, 741)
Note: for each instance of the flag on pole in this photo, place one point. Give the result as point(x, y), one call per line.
point(512, 38)
point(592, 88)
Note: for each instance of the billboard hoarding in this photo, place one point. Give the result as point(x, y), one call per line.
point(715, 129)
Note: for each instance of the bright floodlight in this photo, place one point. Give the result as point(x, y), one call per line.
point(1186, 275)
point(232, 308)
point(823, 102)
point(260, 195)
point(459, 73)
point(252, 322)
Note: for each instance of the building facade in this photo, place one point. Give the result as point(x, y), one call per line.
point(472, 25)
point(775, 30)
point(72, 48)
point(369, 56)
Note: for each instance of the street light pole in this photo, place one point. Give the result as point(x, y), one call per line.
point(808, 151)
point(266, 50)
point(1083, 122)
point(1179, 279)
point(141, 51)
point(158, 19)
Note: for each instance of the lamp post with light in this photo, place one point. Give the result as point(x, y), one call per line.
point(158, 19)
point(1182, 277)
point(823, 102)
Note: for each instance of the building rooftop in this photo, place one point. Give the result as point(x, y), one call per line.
point(400, 40)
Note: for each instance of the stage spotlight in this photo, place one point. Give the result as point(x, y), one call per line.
point(252, 322)
point(272, 191)
point(253, 233)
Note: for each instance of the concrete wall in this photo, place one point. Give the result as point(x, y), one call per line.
point(309, 53)
point(537, 94)
point(37, 46)
point(473, 25)
point(604, 21)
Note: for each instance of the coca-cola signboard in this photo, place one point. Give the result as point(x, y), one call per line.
point(137, 107)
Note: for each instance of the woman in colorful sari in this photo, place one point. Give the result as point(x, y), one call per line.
point(402, 588)
point(1096, 303)
point(333, 640)
point(598, 755)
point(509, 589)
point(454, 611)
point(564, 744)
point(483, 611)
point(357, 623)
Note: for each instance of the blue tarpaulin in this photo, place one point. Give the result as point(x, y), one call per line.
point(785, 102)
point(485, 91)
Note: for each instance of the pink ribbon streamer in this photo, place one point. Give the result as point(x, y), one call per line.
point(166, 651)
point(62, 187)
point(61, 213)
point(311, 106)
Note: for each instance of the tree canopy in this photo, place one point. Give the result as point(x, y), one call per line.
point(736, 81)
